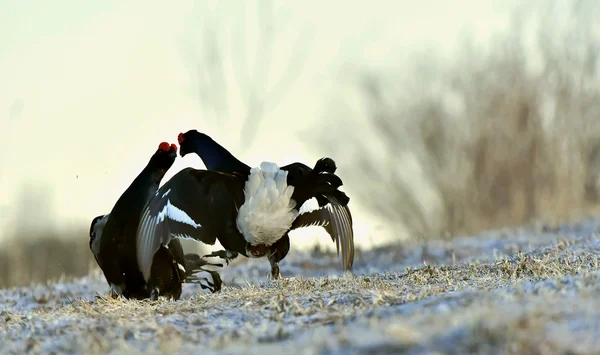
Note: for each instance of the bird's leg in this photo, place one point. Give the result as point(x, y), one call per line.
point(276, 253)
point(228, 255)
point(154, 294)
point(274, 268)
point(116, 291)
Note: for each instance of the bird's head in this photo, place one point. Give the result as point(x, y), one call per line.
point(165, 155)
point(96, 228)
point(190, 140)
point(213, 155)
point(256, 251)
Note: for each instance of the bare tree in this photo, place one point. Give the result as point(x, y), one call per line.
point(494, 141)
point(223, 40)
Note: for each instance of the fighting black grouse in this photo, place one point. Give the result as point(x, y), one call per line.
point(249, 210)
point(113, 235)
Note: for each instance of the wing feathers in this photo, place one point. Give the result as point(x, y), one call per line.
point(189, 206)
point(337, 221)
point(147, 244)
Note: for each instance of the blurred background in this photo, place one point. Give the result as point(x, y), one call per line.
point(445, 118)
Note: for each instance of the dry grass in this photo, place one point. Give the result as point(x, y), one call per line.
point(539, 300)
point(32, 247)
point(37, 259)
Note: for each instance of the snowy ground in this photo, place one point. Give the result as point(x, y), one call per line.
point(515, 291)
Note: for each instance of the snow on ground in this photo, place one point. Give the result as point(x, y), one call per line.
point(523, 290)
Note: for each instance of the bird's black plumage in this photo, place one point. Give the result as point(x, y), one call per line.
point(203, 205)
point(113, 240)
point(194, 204)
point(214, 156)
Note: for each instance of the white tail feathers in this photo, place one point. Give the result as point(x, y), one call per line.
point(268, 209)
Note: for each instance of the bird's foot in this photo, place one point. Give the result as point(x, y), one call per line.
point(214, 286)
point(113, 294)
point(228, 255)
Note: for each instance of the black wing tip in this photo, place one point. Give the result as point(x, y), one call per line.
point(339, 197)
point(325, 164)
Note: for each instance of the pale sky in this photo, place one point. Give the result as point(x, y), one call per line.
point(89, 89)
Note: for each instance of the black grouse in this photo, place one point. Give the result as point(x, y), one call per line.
point(113, 241)
point(249, 210)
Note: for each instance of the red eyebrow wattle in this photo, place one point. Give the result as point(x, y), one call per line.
point(164, 146)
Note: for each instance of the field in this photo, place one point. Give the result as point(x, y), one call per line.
point(522, 290)
point(502, 135)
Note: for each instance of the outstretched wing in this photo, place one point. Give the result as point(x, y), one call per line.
point(192, 205)
point(337, 221)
